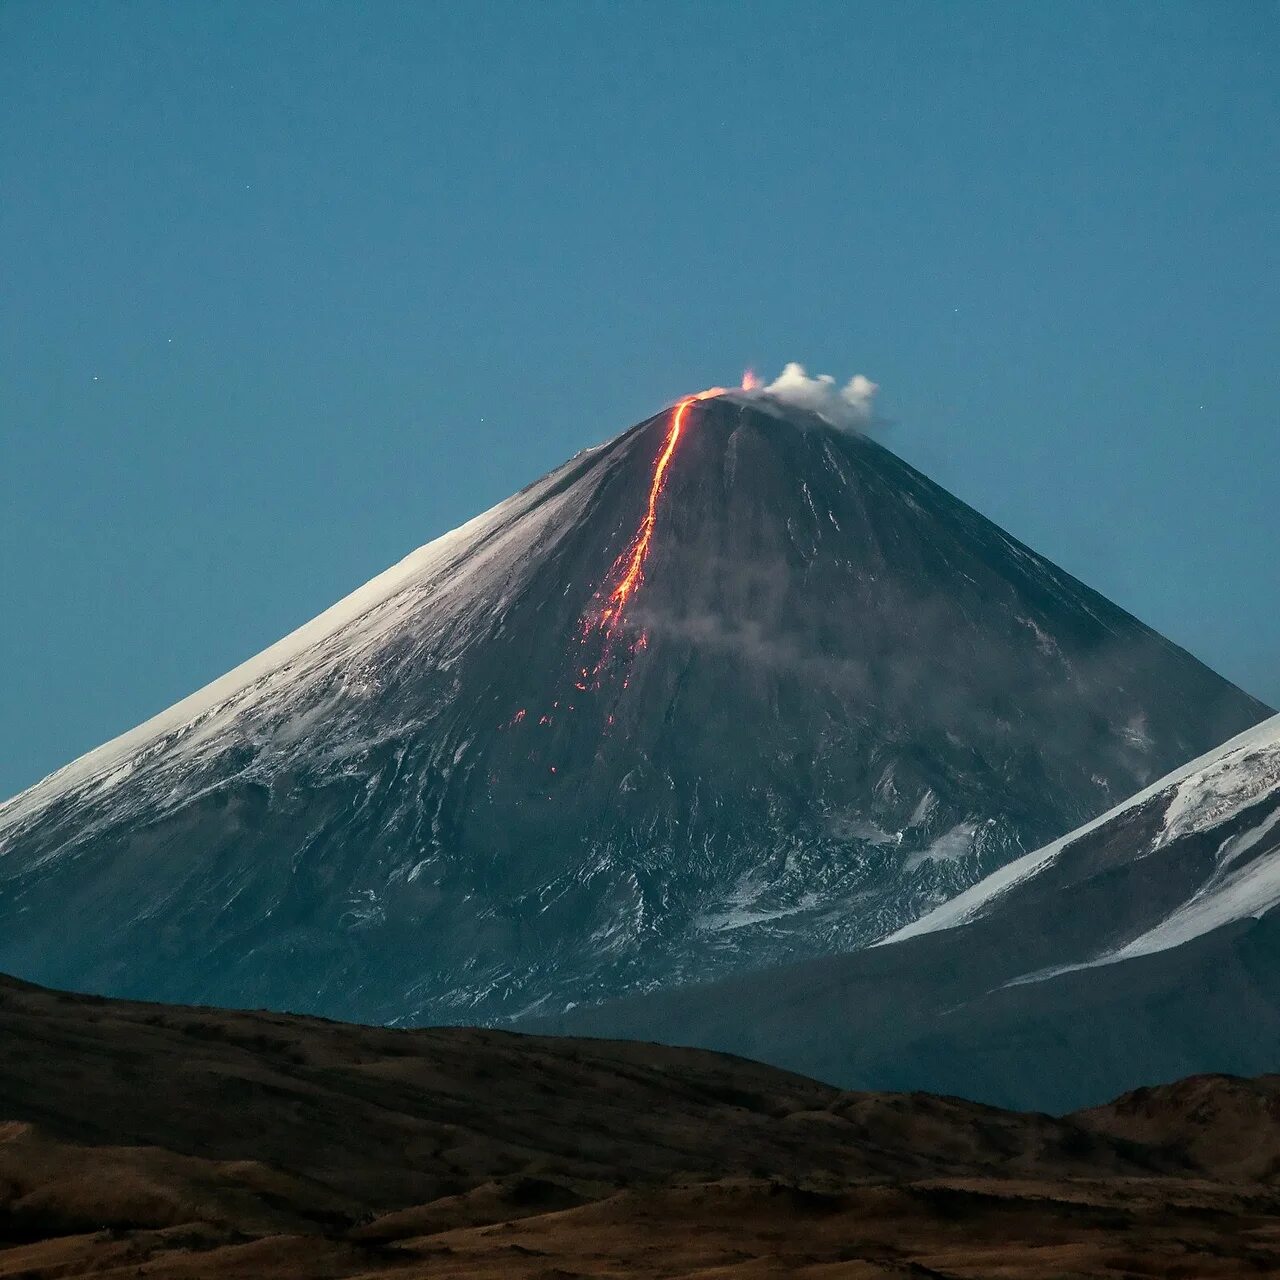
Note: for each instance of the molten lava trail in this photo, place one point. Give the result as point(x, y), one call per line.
point(602, 643)
point(629, 569)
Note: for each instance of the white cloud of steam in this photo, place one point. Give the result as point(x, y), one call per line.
point(851, 407)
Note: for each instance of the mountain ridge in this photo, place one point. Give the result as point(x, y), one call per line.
point(1141, 947)
point(185, 1141)
point(837, 697)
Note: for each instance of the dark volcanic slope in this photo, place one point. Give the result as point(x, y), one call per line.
point(1143, 947)
point(165, 1141)
point(850, 696)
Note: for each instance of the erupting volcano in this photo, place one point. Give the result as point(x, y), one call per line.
point(847, 695)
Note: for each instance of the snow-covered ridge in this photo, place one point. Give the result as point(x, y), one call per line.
point(1204, 794)
point(463, 561)
point(1248, 891)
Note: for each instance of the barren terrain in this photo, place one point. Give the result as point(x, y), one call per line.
point(158, 1141)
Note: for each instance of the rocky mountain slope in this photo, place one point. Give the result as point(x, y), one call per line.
point(730, 689)
point(181, 1142)
point(1143, 946)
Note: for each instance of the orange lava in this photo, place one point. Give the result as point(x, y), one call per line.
point(633, 562)
point(598, 626)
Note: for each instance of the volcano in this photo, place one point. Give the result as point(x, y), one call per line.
point(732, 689)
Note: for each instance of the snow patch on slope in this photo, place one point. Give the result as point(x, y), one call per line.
point(1206, 792)
point(1230, 785)
point(1250, 891)
point(461, 563)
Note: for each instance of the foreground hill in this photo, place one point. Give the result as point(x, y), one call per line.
point(693, 703)
point(1143, 947)
point(178, 1142)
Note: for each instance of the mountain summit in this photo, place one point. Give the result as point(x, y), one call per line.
point(732, 688)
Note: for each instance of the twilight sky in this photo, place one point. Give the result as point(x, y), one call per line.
point(287, 290)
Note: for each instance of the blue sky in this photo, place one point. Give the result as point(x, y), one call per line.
point(289, 289)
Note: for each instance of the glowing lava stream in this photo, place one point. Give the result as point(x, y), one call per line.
point(633, 560)
point(630, 565)
point(597, 626)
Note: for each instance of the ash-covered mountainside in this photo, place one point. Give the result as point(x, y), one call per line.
point(730, 689)
point(1142, 947)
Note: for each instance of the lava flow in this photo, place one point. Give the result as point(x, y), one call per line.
point(599, 625)
point(629, 568)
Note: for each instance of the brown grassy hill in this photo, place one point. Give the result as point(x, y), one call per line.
point(1213, 1122)
point(163, 1141)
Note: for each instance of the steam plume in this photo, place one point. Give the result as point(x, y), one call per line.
point(850, 406)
